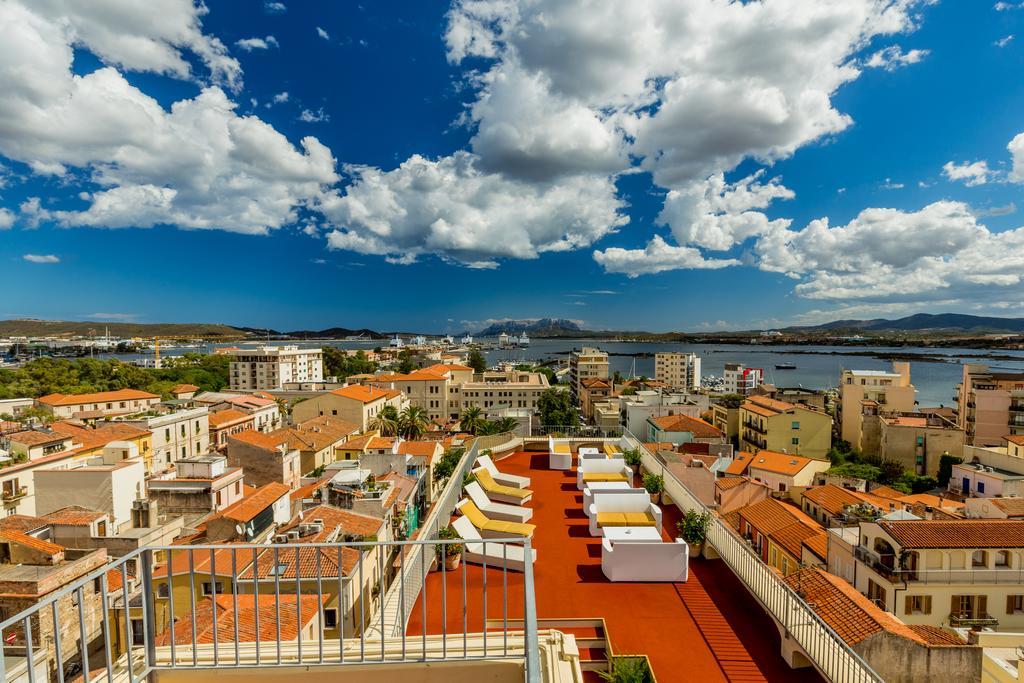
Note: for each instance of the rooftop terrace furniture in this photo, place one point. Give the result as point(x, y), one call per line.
point(612, 449)
point(497, 555)
point(560, 455)
point(498, 511)
point(645, 561)
point(623, 508)
point(513, 480)
point(590, 489)
point(500, 493)
point(602, 469)
point(492, 528)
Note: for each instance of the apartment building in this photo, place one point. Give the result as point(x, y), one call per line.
point(354, 403)
point(918, 441)
point(873, 391)
point(273, 367)
point(783, 472)
point(678, 370)
point(647, 403)
point(111, 486)
point(177, 433)
point(423, 388)
point(201, 484)
point(990, 405)
point(990, 471)
point(495, 390)
point(225, 423)
point(958, 573)
point(266, 458)
point(586, 363)
point(266, 414)
point(765, 423)
point(739, 379)
point(100, 404)
point(592, 392)
point(316, 440)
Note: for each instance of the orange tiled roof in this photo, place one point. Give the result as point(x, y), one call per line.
point(255, 503)
point(936, 635)
point(936, 501)
point(316, 434)
point(74, 515)
point(684, 423)
point(440, 368)
point(21, 538)
point(345, 522)
point(357, 444)
point(1012, 507)
point(740, 463)
point(850, 614)
point(1015, 438)
point(88, 437)
point(791, 537)
point(361, 393)
point(771, 404)
point(225, 417)
point(184, 388)
point(270, 442)
point(727, 483)
point(98, 397)
point(35, 437)
point(779, 463)
point(887, 492)
point(380, 442)
point(831, 498)
point(21, 523)
point(421, 448)
point(818, 544)
point(769, 515)
point(960, 533)
point(271, 615)
point(114, 580)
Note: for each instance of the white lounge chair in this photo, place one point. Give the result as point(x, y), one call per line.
point(508, 513)
point(513, 480)
point(645, 561)
point(497, 555)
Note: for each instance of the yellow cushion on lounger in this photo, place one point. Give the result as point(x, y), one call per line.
point(604, 476)
point(562, 448)
point(611, 519)
point(490, 486)
point(511, 528)
point(611, 449)
point(639, 519)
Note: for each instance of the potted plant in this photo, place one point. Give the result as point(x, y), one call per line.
point(693, 528)
point(633, 459)
point(627, 669)
point(450, 553)
point(655, 484)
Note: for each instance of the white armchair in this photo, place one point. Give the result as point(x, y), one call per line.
point(645, 561)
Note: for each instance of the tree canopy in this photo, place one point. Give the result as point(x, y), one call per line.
point(555, 407)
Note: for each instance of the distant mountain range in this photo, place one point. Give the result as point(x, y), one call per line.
point(922, 322)
point(943, 324)
point(545, 327)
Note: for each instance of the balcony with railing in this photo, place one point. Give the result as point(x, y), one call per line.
point(14, 494)
point(972, 621)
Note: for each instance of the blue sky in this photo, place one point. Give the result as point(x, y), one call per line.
point(473, 162)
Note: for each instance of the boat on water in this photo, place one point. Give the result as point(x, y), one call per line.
point(449, 340)
point(468, 339)
point(785, 366)
point(397, 342)
point(523, 339)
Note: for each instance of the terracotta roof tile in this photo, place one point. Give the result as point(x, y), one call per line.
point(74, 515)
point(184, 388)
point(850, 614)
point(21, 538)
point(36, 437)
point(960, 533)
point(727, 483)
point(684, 423)
point(255, 503)
point(936, 635)
point(1012, 507)
point(98, 397)
point(779, 463)
point(740, 463)
point(818, 544)
point(424, 449)
point(285, 615)
point(831, 498)
point(270, 442)
point(225, 417)
point(1015, 438)
point(791, 537)
point(361, 393)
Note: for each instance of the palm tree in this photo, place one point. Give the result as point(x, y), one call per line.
point(506, 424)
point(386, 421)
point(472, 420)
point(412, 422)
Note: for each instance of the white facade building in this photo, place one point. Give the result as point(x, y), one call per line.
point(271, 367)
point(678, 370)
point(176, 435)
point(739, 379)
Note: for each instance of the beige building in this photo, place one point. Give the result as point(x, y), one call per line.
point(990, 405)
point(782, 472)
point(201, 485)
point(493, 390)
point(918, 441)
point(678, 370)
point(765, 423)
point(101, 404)
point(355, 403)
point(586, 363)
point(273, 367)
point(423, 388)
point(727, 420)
point(990, 471)
point(875, 391)
point(177, 434)
point(111, 486)
point(265, 458)
point(958, 573)
point(317, 439)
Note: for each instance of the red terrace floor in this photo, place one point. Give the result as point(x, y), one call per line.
point(707, 629)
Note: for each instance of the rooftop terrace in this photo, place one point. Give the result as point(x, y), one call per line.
point(707, 629)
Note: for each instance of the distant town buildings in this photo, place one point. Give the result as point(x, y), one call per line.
point(766, 423)
point(990, 405)
point(870, 392)
point(274, 367)
point(739, 379)
point(586, 363)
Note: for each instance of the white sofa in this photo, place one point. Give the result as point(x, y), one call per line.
point(559, 454)
point(602, 469)
point(509, 513)
point(513, 480)
point(497, 555)
point(590, 489)
point(645, 561)
point(632, 507)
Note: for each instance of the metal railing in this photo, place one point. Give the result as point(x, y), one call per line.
point(300, 604)
point(576, 431)
point(825, 648)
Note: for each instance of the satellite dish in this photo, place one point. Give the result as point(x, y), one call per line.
point(240, 528)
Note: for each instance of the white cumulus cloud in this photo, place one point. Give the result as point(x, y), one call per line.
point(250, 44)
point(971, 173)
point(892, 58)
point(322, 33)
point(41, 258)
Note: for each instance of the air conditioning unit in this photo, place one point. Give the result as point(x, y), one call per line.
point(280, 538)
point(293, 535)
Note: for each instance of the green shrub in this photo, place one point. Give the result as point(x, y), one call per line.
point(628, 670)
point(693, 527)
point(654, 483)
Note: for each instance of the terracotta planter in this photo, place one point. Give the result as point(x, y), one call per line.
point(452, 563)
point(696, 549)
point(655, 497)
